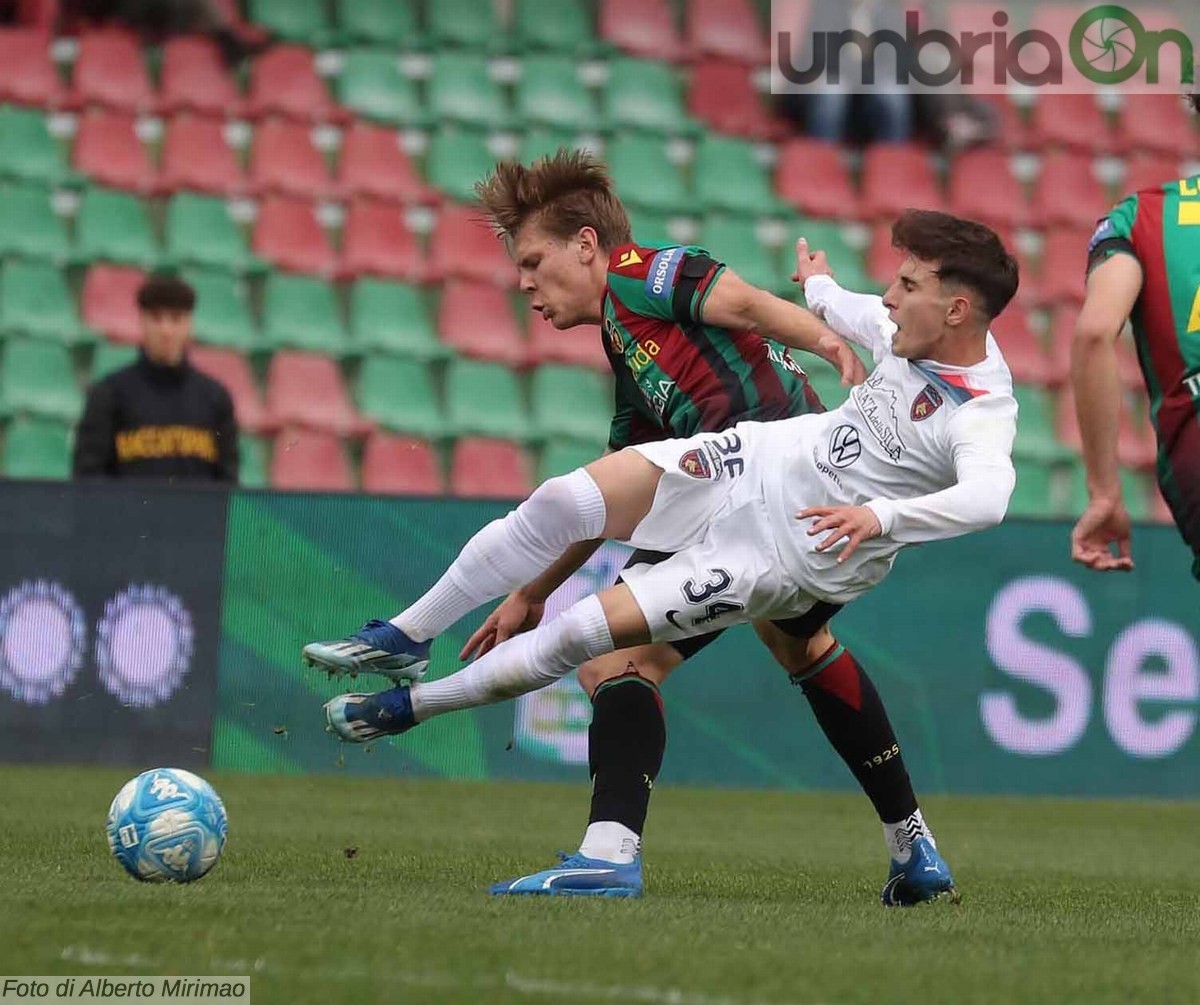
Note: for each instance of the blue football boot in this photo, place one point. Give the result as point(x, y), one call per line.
point(925, 876)
point(360, 718)
point(378, 647)
point(576, 876)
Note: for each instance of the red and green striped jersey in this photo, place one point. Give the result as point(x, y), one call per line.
point(1161, 228)
point(675, 375)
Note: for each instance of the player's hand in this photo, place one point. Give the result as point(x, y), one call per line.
point(844, 359)
point(1104, 525)
point(516, 614)
point(808, 265)
point(853, 523)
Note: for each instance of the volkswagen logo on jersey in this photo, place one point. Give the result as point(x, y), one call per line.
point(695, 463)
point(845, 446)
point(925, 403)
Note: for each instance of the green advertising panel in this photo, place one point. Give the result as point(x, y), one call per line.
point(1004, 667)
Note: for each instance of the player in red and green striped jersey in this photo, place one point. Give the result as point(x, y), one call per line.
point(1144, 266)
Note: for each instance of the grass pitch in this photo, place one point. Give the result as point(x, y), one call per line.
point(763, 898)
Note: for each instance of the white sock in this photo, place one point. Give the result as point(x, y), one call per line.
point(508, 553)
point(900, 836)
point(610, 841)
point(522, 664)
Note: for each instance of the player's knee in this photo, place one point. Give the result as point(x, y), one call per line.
point(654, 663)
point(791, 652)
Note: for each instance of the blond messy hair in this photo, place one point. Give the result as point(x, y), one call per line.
point(560, 194)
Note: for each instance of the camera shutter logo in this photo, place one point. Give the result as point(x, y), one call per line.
point(845, 446)
point(42, 638)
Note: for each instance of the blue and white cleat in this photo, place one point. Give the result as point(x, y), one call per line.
point(378, 647)
point(360, 718)
point(577, 876)
point(925, 876)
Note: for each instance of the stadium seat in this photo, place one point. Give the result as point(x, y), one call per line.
point(399, 394)
point(1062, 330)
point(1063, 266)
point(641, 28)
point(644, 94)
point(37, 448)
point(1023, 351)
point(464, 246)
point(896, 176)
point(463, 23)
point(456, 161)
point(725, 29)
point(561, 457)
point(828, 236)
point(284, 81)
point(371, 85)
point(1037, 438)
point(550, 93)
point(108, 151)
point(109, 71)
point(401, 465)
point(558, 25)
point(388, 24)
point(196, 156)
point(114, 227)
point(29, 227)
point(110, 357)
point(37, 378)
point(570, 402)
point(650, 227)
point(284, 159)
point(372, 163)
point(300, 312)
point(193, 79)
point(812, 176)
point(1012, 131)
point(1034, 494)
point(1150, 172)
point(643, 174)
point(723, 96)
point(307, 390)
point(30, 77)
point(826, 381)
point(288, 234)
point(732, 240)
point(476, 320)
point(303, 21)
point(27, 150)
point(489, 469)
point(232, 369)
point(542, 142)
point(460, 90)
point(1071, 121)
point(222, 316)
point(200, 231)
point(376, 241)
point(983, 187)
point(579, 346)
point(1157, 124)
point(394, 318)
point(1068, 193)
point(882, 259)
point(35, 301)
point(254, 461)
point(310, 460)
point(109, 302)
point(484, 399)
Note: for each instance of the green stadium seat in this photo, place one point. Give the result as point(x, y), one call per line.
point(650, 226)
point(1036, 425)
point(550, 93)
point(399, 394)
point(460, 90)
point(37, 378)
point(463, 23)
point(385, 23)
point(201, 231)
point(541, 142)
point(114, 227)
point(393, 317)
point(222, 316)
point(37, 448)
point(561, 25)
point(254, 461)
point(372, 86)
point(29, 227)
point(570, 401)
point(35, 300)
point(1035, 490)
point(645, 177)
point(825, 380)
point(484, 399)
point(732, 240)
point(300, 312)
point(303, 21)
point(643, 94)
point(848, 266)
point(110, 357)
point(456, 161)
point(721, 158)
point(27, 150)
point(561, 457)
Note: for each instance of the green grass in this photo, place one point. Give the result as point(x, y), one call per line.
point(764, 898)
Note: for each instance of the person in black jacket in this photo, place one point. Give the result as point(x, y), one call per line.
point(159, 418)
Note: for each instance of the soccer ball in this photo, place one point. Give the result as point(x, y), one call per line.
point(166, 826)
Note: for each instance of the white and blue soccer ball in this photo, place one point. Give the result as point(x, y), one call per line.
point(167, 826)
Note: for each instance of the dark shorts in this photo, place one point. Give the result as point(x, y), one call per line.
point(1179, 481)
point(803, 627)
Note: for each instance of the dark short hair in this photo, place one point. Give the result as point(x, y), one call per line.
point(166, 293)
point(966, 252)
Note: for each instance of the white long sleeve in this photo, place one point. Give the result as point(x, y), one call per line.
point(859, 317)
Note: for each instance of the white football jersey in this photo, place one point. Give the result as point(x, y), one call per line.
point(927, 446)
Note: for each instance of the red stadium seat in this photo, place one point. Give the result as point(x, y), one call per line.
point(1027, 358)
point(109, 302)
point(372, 163)
point(284, 159)
point(196, 156)
point(376, 241)
point(726, 29)
point(882, 259)
point(232, 369)
point(465, 246)
point(1068, 193)
point(982, 187)
point(1012, 131)
point(194, 79)
point(109, 71)
point(108, 151)
point(813, 177)
point(642, 28)
point(580, 346)
point(1136, 447)
point(29, 76)
point(1157, 124)
point(897, 176)
point(401, 465)
point(490, 469)
point(1063, 269)
point(1074, 121)
point(307, 460)
point(1062, 327)
point(288, 235)
point(40, 14)
point(284, 81)
point(305, 389)
point(476, 320)
point(723, 95)
point(1150, 172)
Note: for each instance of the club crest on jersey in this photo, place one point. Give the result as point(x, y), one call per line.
point(696, 464)
point(612, 335)
point(925, 403)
